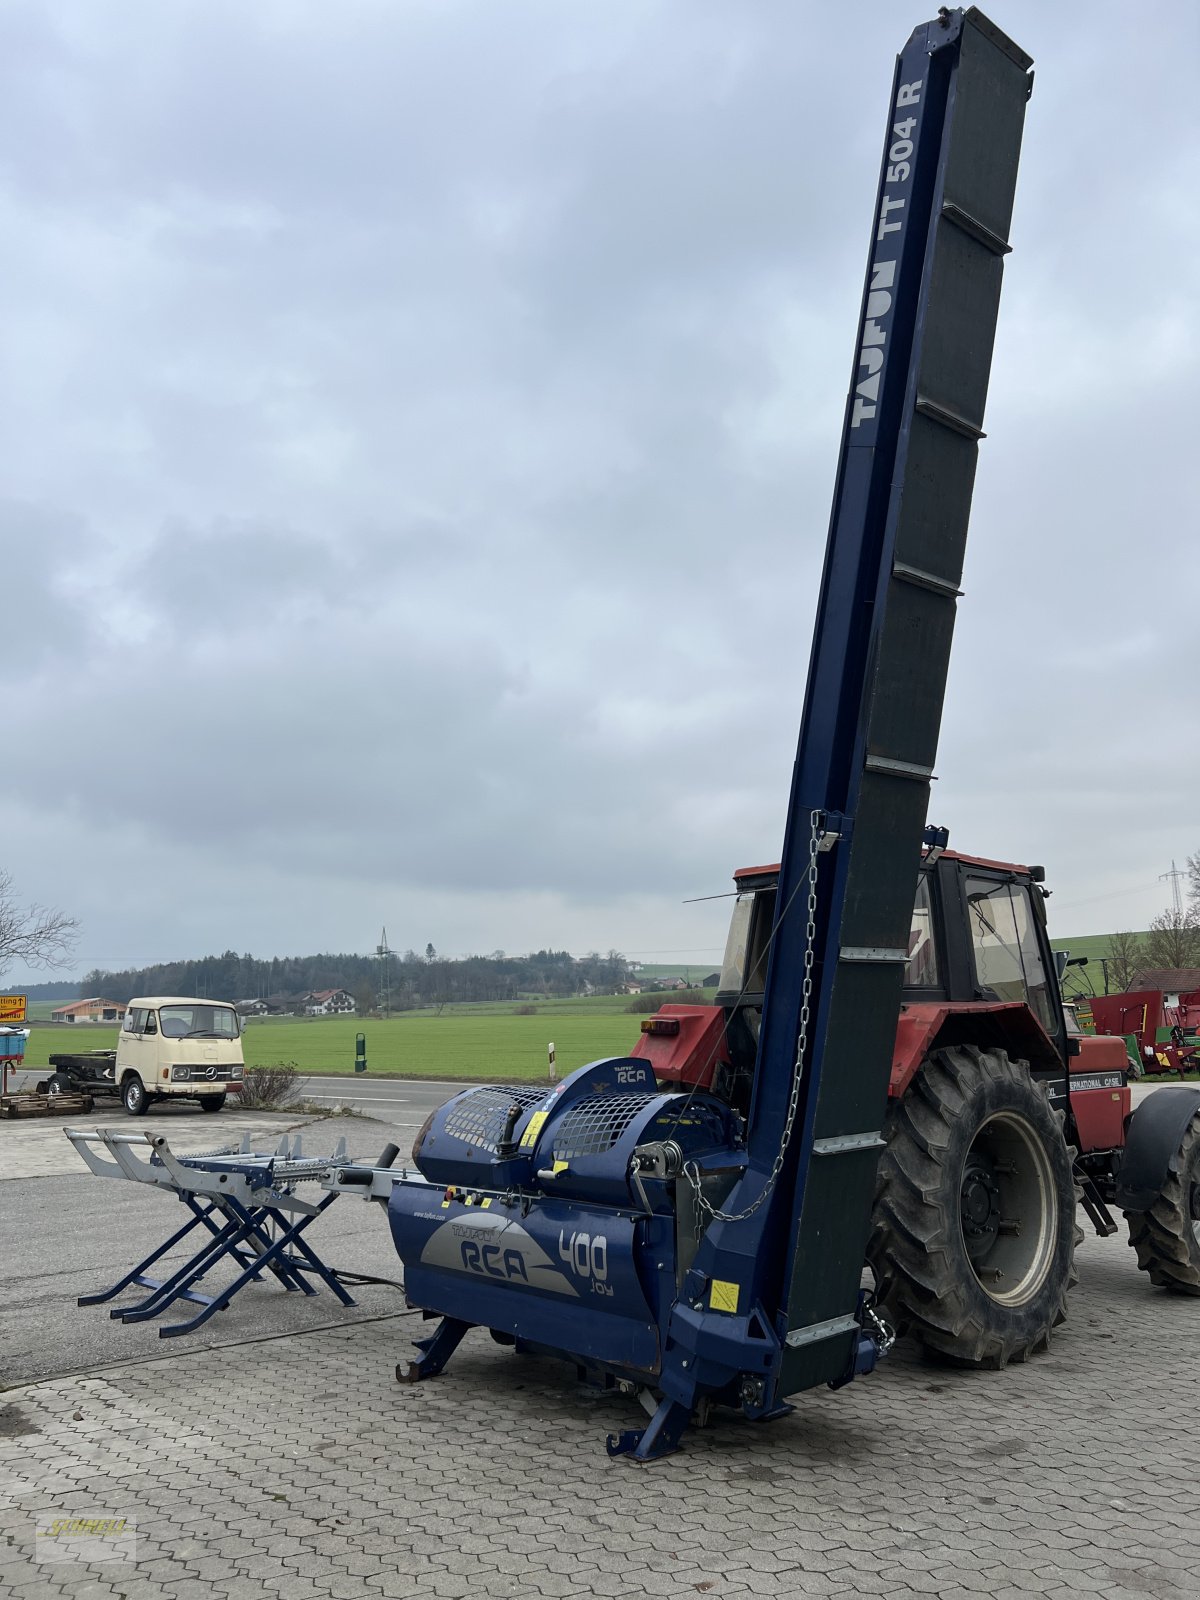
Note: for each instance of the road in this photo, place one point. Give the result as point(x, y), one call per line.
point(403, 1101)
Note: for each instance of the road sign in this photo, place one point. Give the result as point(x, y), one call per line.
point(12, 1008)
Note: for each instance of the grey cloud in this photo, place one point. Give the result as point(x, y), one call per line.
point(426, 418)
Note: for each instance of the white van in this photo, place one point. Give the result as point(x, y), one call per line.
point(174, 1046)
point(169, 1047)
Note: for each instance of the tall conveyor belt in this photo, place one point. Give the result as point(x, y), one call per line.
point(877, 677)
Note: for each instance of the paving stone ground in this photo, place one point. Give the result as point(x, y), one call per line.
point(297, 1467)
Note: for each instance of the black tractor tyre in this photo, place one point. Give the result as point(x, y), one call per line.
point(1167, 1237)
point(134, 1097)
point(973, 1238)
point(211, 1102)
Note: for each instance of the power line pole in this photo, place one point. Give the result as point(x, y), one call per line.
point(385, 974)
point(1176, 877)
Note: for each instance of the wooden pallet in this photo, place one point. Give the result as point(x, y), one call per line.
point(44, 1105)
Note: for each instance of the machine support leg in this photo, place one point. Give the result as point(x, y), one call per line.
point(436, 1351)
point(660, 1439)
point(179, 1285)
point(276, 1252)
point(137, 1274)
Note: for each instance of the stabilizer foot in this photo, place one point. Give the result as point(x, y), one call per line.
point(660, 1439)
point(436, 1351)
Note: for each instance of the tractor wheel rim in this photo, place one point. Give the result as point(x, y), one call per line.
point(1012, 1253)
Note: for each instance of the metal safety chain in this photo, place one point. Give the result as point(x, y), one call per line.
point(879, 1327)
point(690, 1170)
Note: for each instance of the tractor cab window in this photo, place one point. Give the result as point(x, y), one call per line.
point(745, 964)
point(921, 970)
point(1008, 961)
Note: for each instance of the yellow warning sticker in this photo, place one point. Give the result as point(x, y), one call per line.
point(559, 1166)
point(536, 1123)
point(484, 1204)
point(724, 1296)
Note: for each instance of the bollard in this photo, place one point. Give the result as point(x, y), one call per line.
point(553, 1065)
point(360, 1053)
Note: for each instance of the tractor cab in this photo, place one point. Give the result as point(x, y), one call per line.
point(977, 941)
point(979, 971)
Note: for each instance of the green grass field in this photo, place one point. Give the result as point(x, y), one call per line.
point(469, 1041)
point(1089, 979)
point(39, 1010)
point(472, 1042)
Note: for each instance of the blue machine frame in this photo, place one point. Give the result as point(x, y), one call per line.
point(654, 1238)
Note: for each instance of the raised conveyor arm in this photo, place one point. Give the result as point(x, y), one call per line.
point(876, 682)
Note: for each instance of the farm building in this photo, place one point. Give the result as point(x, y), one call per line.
point(94, 1010)
point(1168, 981)
point(312, 1003)
point(329, 1002)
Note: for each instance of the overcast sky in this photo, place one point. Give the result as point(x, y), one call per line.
point(420, 420)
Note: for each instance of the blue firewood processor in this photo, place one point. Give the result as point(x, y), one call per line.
point(694, 1246)
point(660, 1240)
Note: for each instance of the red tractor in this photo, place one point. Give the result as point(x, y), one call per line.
point(1002, 1116)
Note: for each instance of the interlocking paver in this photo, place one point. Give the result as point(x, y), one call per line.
point(914, 1483)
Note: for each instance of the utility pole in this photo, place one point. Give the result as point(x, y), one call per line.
point(385, 974)
point(1176, 877)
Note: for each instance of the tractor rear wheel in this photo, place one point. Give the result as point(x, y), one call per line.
point(1167, 1237)
point(973, 1241)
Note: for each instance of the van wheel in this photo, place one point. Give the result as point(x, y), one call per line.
point(134, 1097)
point(211, 1102)
point(59, 1084)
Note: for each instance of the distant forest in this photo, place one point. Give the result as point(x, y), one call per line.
point(403, 982)
point(50, 991)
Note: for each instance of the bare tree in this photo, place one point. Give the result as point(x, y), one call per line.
point(1193, 873)
point(1173, 940)
point(1124, 958)
point(35, 935)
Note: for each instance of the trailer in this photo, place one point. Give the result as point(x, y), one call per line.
point(1161, 1031)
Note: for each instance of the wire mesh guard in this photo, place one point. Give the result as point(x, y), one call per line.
point(594, 1125)
point(480, 1115)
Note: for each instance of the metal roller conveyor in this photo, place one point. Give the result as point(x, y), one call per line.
point(244, 1204)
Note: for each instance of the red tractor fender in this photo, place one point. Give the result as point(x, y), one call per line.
point(926, 1025)
point(684, 1044)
